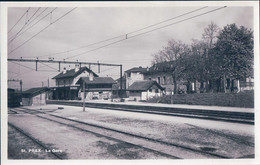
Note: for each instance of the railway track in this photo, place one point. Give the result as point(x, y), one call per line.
point(37, 142)
point(168, 149)
point(234, 117)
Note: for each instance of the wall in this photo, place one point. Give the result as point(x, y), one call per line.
point(97, 95)
point(36, 100)
point(71, 81)
point(133, 77)
point(39, 99)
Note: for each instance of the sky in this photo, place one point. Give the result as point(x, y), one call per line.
point(87, 25)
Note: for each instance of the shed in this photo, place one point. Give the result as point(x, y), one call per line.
point(143, 90)
point(35, 96)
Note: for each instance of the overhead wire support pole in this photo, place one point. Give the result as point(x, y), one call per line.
point(36, 65)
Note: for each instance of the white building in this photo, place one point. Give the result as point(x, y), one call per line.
point(134, 74)
point(143, 90)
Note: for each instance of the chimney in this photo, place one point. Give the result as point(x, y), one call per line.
point(91, 76)
point(76, 67)
point(64, 70)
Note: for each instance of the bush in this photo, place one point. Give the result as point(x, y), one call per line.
point(242, 99)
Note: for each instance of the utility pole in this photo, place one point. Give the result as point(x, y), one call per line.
point(21, 86)
point(47, 97)
point(121, 81)
point(83, 84)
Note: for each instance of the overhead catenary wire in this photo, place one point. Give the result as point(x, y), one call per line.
point(82, 46)
point(166, 20)
point(145, 32)
point(22, 65)
point(124, 35)
point(49, 66)
point(35, 22)
point(19, 20)
point(25, 24)
point(177, 22)
point(42, 30)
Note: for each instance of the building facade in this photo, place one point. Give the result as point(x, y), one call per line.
point(143, 90)
point(96, 87)
point(66, 87)
point(134, 74)
point(35, 96)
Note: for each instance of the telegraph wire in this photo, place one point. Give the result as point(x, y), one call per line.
point(19, 20)
point(42, 30)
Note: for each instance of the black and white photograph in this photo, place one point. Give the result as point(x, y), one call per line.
point(145, 82)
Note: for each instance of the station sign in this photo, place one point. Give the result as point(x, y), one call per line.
point(73, 88)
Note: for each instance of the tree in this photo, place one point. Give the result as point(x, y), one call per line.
point(173, 52)
point(233, 53)
point(210, 34)
point(209, 38)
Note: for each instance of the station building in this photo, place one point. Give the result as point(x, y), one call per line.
point(66, 87)
point(96, 87)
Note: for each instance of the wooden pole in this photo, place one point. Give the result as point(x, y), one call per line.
point(83, 96)
point(121, 81)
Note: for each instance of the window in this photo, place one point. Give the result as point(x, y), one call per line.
point(164, 79)
point(150, 78)
point(150, 90)
point(159, 80)
point(156, 90)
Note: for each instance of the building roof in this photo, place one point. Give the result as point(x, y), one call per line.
point(144, 85)
point(96, 80)
point(167, 66)
point(137, 69)
point(72, 73)
point(35, 91)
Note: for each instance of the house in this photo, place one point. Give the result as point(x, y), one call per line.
point(143, 90)
point(96, 87)
point(66, 87)
point(134, 74)
point(35, 96)
point(162, 73)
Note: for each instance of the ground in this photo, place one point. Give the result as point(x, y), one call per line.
point(232, 140)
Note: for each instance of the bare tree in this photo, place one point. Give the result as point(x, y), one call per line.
point(209, 38)
point(172, 53)
point(210, 34)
